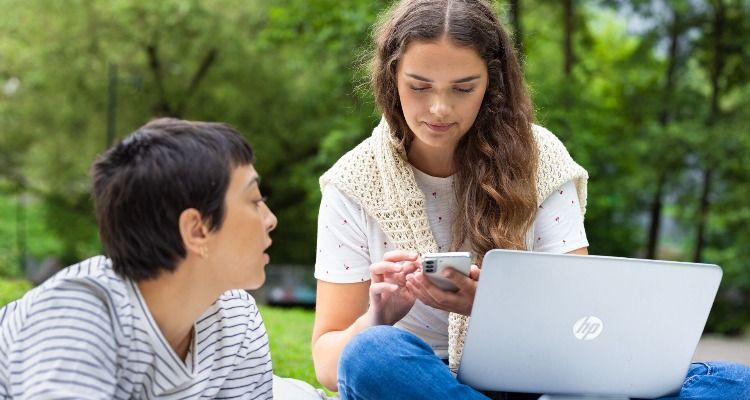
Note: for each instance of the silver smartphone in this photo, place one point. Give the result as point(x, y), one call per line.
point(433, 265)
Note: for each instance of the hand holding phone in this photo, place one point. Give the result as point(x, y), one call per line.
point(433, 265)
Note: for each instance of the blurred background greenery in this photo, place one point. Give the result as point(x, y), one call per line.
point(652, 97)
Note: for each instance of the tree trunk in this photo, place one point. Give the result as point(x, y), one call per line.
point(716, 69)
point(703, 210)
point(162, 107)
point(515, 11)
point(674, 37)
point(657, 203)
point(568, 38)
point(655, 214)
point(200, 73)
point(718, 61)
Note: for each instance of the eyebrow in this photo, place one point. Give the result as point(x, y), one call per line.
point(423, 79)
point(255, 180)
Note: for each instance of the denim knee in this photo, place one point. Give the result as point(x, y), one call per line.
point(367, 349)
point(720, 380)
point(384, 362)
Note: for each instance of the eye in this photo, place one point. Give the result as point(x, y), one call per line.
point(464, 90)
point(419, 88)
point(261, 200)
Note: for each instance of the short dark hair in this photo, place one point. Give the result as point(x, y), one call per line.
point(142, 184)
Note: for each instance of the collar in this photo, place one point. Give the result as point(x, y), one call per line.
point(171, 372)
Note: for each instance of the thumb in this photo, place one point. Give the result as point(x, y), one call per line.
point(474, 272)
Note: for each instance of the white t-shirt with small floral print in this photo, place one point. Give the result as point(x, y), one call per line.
point(349, 241)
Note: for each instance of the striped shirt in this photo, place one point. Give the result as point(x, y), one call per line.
point(86, 333)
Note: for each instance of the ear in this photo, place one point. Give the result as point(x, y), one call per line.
point(194, 232)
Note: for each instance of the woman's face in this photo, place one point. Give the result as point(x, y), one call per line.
point(238, 247)
point(441, 87)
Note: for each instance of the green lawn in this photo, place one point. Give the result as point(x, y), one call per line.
point(289, 330)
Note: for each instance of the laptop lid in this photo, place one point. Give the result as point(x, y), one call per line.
point(570, 324)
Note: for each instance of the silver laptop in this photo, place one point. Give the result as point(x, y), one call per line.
point(585, 325)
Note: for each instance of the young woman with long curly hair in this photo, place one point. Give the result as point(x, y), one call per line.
point(456, 164)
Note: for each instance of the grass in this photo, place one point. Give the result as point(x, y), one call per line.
point(289, 331)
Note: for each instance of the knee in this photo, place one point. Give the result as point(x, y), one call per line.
point(717, 380)
point(367, 348)
point(734, 372)
point(378, 350)
point(731, 372)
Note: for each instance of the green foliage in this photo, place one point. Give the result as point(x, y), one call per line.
point(11, 290)
point(27, 232)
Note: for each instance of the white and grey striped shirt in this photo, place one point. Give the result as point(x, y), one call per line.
point(86, 333)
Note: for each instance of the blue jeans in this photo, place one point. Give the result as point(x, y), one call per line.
point(384, 362)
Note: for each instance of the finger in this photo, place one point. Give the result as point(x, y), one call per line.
point(412, 282)
point(380, 288)
point(385, 267)
point(474, 272)
point(428, 292)
point(463, 282)
point(416, 291)
point(408, 268)
point(400, 255)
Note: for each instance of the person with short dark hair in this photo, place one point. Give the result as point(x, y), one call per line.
point(184, 226)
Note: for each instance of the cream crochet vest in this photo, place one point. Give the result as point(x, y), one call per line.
point(377, 175)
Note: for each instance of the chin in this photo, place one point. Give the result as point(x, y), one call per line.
point(256, 282)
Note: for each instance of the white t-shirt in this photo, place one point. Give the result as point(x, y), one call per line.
point(349, 241)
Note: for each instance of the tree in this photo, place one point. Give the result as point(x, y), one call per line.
point(515, 12)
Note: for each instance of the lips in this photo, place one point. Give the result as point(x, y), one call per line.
point(438, 126)
point(266, 257)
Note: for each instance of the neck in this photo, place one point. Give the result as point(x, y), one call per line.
point(432, 161)
point(175, 301)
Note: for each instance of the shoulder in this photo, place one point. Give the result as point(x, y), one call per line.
point(232, 308)
point(83, 310)
point(549, 145)
point(233, 325)
point(556, 166)
point(94, 278)
point(352, 165)
point(90, 284)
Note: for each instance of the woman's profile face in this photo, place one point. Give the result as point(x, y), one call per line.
point(441, 87)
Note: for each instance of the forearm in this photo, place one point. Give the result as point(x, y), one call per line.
point(327, 351)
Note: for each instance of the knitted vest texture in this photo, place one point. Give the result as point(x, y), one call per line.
point(377, 175)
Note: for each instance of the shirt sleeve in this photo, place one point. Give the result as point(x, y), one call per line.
point(63, 347)
point(342, 254)
point(558, 227)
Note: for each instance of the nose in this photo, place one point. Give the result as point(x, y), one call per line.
point(270, 219)
point(440, 106)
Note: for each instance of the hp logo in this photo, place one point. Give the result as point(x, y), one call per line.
point(588, 328)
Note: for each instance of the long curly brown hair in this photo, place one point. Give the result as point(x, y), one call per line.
point(495, 181)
